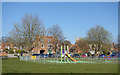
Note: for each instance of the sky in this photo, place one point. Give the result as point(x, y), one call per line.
point(74, 18)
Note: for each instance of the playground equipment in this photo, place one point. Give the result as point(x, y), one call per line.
point(64, 53)
point(65, 56)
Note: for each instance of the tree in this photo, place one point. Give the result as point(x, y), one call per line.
point(83, 45)
point(7, 39)
point(57, 34)
point(98, 36)
point(25, 32)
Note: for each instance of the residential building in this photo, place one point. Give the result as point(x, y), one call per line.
point(5, 45)
point(44, 44)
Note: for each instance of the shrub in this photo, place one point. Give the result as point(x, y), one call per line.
point(11, 51)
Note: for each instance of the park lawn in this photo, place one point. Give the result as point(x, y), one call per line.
point(13, 65)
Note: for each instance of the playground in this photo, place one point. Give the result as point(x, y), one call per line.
point(65, 57)
point(63, 64)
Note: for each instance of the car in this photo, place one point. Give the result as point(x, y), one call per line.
point(114, 54)
point(51, 55)
point(46, 55)
point(58, 55)
point(35, 54)
point(76, 55)
point(84, 56)
point(101, 56)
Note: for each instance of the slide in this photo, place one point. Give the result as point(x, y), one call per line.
point(70, 57)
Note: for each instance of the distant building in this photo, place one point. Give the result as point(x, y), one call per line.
point(115, 47)
point(44, 44)
point(5, 45)
point(75, 48)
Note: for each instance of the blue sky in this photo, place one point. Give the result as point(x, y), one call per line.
point(74, 18)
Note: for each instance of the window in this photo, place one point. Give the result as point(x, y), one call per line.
point(49, 40)
point(6, 47)
point(0, 46)
point(49, 45)
point(42, 40)
point(42, 45)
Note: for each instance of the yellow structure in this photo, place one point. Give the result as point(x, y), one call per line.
point(33, 57)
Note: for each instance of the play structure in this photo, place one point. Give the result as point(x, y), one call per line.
point(64, 57)
point(65, 53)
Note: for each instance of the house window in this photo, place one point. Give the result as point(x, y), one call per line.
point(42, 40)
point(42, 45)
point(49, 45)
point(49, 40)
point(6, 47)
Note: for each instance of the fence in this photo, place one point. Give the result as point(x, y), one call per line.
point(54, 60)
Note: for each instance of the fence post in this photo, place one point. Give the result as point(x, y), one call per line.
point(75, 61)
point(20, 58)
point(57, 60)
point(26, 58)
point(44, 59)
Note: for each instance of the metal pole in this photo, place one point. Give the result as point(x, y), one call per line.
point(26, 58)
point(20, 58)
point(67, 53)
point(57, 60)
point(44, 59)
point(61, 53)
point(64, 53)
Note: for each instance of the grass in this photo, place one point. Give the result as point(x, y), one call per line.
point(15, 66)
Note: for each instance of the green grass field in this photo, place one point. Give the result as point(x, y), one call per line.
point(16, 66)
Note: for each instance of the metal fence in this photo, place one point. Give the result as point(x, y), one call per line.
point(55, 60)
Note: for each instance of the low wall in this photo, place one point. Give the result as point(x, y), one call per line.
point(26, 54)
point(11, 56)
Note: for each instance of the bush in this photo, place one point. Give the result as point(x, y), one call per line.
point(22, 51)
point(19, 51)
point(11, 51)
point(6, 49)
point(104, 52)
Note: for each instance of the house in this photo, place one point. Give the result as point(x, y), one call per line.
point(115, 47)
point(5, 45)
point(44, 44)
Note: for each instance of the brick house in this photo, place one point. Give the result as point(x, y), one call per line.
point(43, 44)
point(46, 45)
point(5, 45)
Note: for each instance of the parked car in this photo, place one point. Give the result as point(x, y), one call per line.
point(35, 54)
point(84, 56)
point(101, 56)
point(114, 54)
point(58, 55)
point(51, 55)
point(76, 55)
point(46, 55)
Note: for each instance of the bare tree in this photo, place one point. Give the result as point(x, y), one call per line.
point(24, 33)
point(98, 36)
point(57, 34)
point(83, 45)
